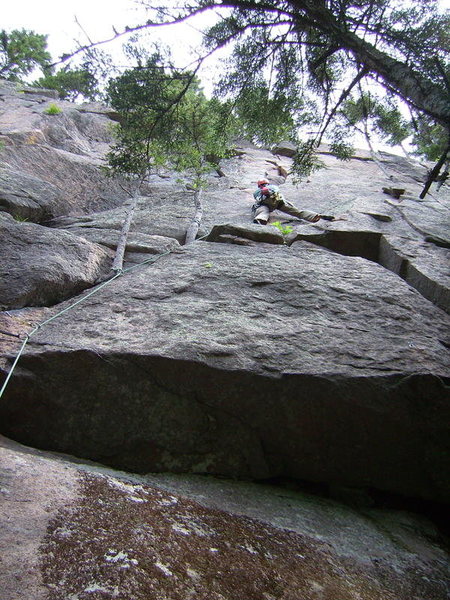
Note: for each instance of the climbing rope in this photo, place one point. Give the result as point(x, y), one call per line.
point(94, 291)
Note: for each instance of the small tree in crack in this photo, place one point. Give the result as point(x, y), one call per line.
point(166, 121)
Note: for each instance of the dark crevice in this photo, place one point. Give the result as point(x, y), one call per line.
point(365, 244)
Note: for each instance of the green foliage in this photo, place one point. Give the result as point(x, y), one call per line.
point(53, 109)
point(71, 84)
point(284, 53)
point(264, 119)
point(167, 120)
point(284, 229)
point(21, 51)
point(267, 97)
point(379, 114)
point(340, 147)
point(305, 160)
point(430, 139)
point(390, 124)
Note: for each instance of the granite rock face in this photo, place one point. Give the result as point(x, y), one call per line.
point(26, 197)
point(319, 354)
point(50, 163)
point(251, 362)
point(315, 355)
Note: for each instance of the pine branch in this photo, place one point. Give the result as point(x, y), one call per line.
point(342, 97)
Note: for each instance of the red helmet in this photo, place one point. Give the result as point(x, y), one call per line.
point(263, 182)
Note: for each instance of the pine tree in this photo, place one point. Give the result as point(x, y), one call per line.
point(71, 84)
point(166, 120)
point(21, 52)
point(297, 62)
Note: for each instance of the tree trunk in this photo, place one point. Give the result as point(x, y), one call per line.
point(411, 86)
point(120, 250)
point(193, 228)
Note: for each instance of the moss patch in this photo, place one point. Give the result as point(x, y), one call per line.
point(129, 541)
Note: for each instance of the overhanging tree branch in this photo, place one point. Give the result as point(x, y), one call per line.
point(418, 91)
point(342, 97)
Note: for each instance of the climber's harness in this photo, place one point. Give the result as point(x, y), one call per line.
point(273, 201)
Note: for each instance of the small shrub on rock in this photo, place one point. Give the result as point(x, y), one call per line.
point(53, 109)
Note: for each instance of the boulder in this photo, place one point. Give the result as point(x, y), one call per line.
point(28, 198)
point(41, 267)
point(102, 533)
point(257, 362)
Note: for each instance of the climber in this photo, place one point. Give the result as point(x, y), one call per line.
point(268, 198)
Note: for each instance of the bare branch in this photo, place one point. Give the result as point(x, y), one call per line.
point(362, 73)
point(129, 30)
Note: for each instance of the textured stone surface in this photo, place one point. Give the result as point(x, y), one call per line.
point(423, 265)
point(59, 153)
point(138, 245)
point(166, 213)
point(305, 355)
point(251, 362)
point(106, 534)
point(41, 266)
point(32, 491)
point(320, 356)
point(27, 197)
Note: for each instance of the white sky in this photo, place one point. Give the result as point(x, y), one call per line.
point(57, 19)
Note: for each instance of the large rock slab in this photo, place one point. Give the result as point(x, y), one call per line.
point(28, 198)
point(74, 180)
point(102, 533)
point(166, 213)
point(254, 359)
point(253, 363)
point(354, 190)
point(25, 119)
point(41, 266)
point(429, 217)
point(59, 154)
